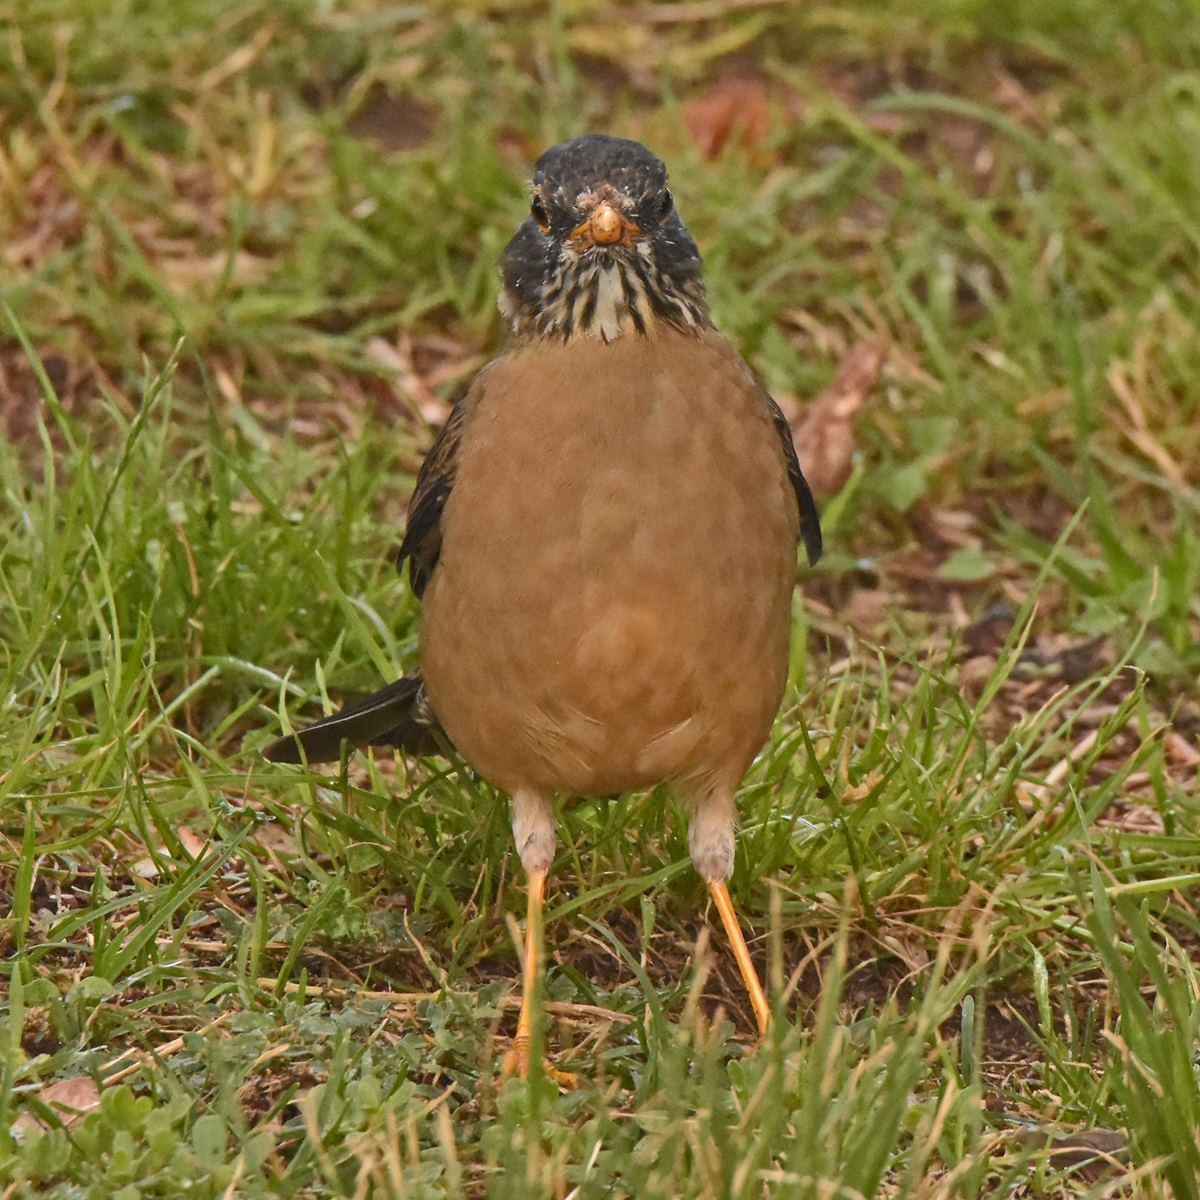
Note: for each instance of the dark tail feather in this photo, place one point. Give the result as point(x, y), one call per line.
point(397, 715)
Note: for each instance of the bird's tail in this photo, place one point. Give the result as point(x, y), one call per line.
point(398, 715)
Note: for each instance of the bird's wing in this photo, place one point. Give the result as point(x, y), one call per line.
point(396, 715)
point(423, 535)
point(810, 523)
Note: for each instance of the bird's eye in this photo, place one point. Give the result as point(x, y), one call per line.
point(665, 204)
point(538, 211)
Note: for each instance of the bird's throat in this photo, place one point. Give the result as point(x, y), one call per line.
point(613, 297)
point(604, 300)
point(615, 304)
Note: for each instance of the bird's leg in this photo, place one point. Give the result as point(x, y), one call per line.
point(758, 999)
point(516, 1061)
point(710, 839)
point(533, 828)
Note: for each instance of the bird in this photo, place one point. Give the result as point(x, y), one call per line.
point(604, 539)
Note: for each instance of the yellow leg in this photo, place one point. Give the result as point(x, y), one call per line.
point(758, 1000)
point(516, 1061)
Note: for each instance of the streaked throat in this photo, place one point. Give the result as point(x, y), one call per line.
point(611, 302)
point(614, 296)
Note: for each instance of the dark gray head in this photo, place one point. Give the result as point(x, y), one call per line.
point(603, 251)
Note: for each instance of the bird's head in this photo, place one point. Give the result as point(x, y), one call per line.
point(603, 252)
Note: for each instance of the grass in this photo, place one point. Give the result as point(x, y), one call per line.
point(248, 259)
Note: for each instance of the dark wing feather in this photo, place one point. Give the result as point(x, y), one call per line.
point(810, 522)
point(423, 535)
point(397, 715)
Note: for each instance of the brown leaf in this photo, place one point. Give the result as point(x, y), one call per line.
point(1091, 1152)
point(731, 106)
point(824, 437)
point(193, 845)
point(1074, 1148)
point(72, 1099)
point(395, 120)
point(1180, 750)
point(144, 868)
point(274, 837)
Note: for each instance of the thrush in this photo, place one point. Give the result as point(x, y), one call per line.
point(604, 539)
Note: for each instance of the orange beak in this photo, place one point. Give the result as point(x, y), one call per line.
point(605, 227)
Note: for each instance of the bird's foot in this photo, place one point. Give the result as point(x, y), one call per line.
point(516, 1065)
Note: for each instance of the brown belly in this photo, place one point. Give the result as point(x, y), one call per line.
point(611, 605)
